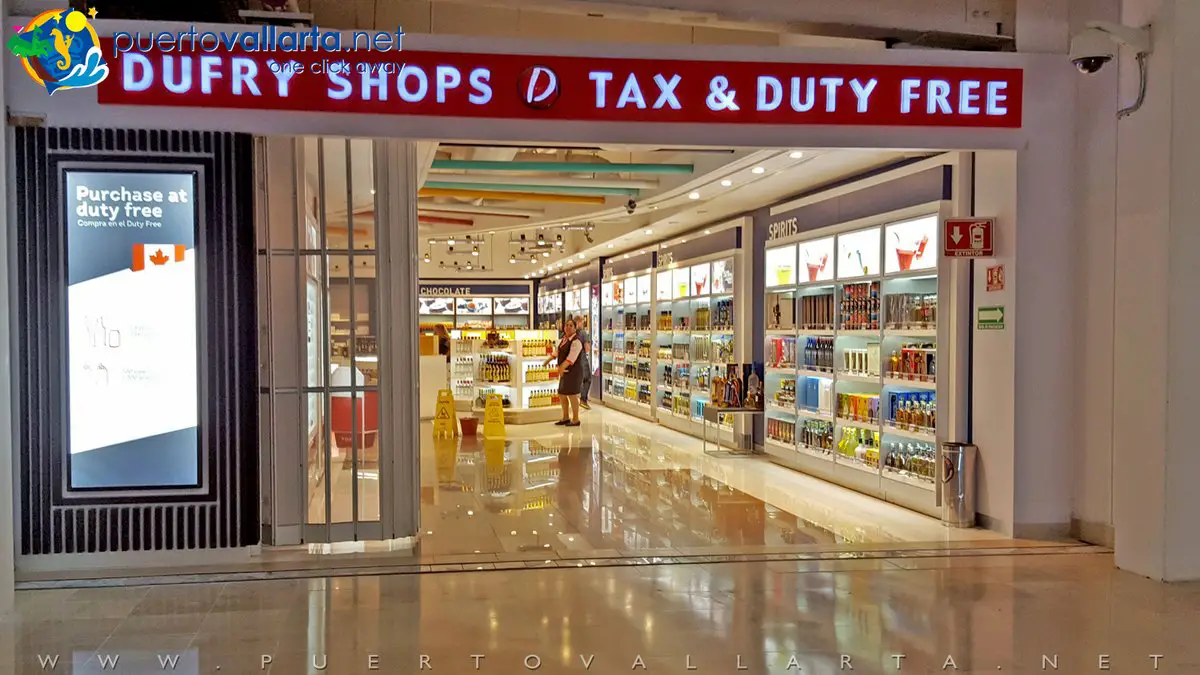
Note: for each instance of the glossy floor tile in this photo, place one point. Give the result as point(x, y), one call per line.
point(956, 613)
point(620, 486)
point(615, 489)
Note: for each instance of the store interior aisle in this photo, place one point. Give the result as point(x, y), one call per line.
point(620, 487)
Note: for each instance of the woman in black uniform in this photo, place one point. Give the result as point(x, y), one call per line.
point(570, 374)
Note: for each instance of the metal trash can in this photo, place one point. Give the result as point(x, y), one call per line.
point(956, 473)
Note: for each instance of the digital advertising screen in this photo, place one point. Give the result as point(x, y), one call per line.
point(132, 329)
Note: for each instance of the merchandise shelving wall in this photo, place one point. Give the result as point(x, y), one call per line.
point(699, 315)
point(626, 339)
point(858, 319)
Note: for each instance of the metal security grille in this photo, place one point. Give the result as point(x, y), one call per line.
point(319, 340)
point(54, 520)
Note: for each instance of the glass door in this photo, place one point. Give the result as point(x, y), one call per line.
point(320, 352)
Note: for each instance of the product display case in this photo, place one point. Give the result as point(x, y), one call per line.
point(627, 336)
point(696, 319)
point(851, 353)
point(508, 363)
point(550, 309)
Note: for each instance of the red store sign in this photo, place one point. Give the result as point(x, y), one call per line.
point(513, 86)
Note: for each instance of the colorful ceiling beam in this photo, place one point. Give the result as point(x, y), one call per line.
point(564, 181)
point(483, 209)
point(510, 196)
point(535, 189)
point(442, 220)
point(560, 167)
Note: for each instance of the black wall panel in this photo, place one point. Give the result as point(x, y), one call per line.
point(226, 513)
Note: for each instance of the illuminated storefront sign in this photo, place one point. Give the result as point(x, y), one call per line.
point(572, 88)
point(132, 329)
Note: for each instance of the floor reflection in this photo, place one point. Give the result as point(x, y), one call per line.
point(984, 614)
point(618, 487)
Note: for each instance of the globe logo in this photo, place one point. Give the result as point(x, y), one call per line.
point(60, 50)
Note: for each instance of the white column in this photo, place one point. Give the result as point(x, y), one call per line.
point(397, 174)
point(7, 436)
point(1156, 460)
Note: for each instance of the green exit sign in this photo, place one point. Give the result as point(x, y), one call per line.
point(990, 318)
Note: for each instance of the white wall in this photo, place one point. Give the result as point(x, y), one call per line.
point(1096, 174)
point(1136, 363)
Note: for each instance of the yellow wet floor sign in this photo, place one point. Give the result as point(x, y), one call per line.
point(444, 425)
point(493, 417)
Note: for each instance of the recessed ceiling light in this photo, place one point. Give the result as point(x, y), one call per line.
point(450, 241)
point(526, 276)
point(796, 154)
point(726, 183)
point(649, 231)
point(582, 256)
point(627, 256)
point(683, 241)
point(611, 245)
point(694, 195)
point(545, 254)
point(708, 232)
point(491, 232)
point(758, 169)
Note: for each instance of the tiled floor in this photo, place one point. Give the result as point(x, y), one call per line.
point(620, 486)
point(988, 614)
point(617, 488)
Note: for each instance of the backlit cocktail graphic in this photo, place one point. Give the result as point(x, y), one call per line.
point(815, 268)
point(906, 256)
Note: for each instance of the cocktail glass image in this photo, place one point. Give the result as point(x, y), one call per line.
point(815, 268)
point(906, 256)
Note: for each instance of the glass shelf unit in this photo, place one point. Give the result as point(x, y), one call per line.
point(627, 338)
point(511, 365)
point(851, 351)
point(695, 322)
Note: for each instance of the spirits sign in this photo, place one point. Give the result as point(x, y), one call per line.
point(968, 237)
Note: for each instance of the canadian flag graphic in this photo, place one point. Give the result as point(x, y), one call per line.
point(156, 255)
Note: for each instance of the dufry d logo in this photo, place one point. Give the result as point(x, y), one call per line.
point(60, 50)
point(539, 87)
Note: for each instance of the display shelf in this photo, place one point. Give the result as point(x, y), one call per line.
point(858, 464)
point(911, 332)
point(927, 385)
point(815, 452)
point(863, 378)
point(501, 362)
point(824, 415)
point(865, 303)
point(927, 435)
point(866, 425)
point(908, 478)
point(779, 445)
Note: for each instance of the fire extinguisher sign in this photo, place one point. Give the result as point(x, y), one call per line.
point(968, 237)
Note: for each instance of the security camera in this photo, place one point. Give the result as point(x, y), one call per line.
point(631, 206)
point(1097, 44)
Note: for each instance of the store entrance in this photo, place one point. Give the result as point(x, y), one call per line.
point(821, 337)
point(319, 322)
